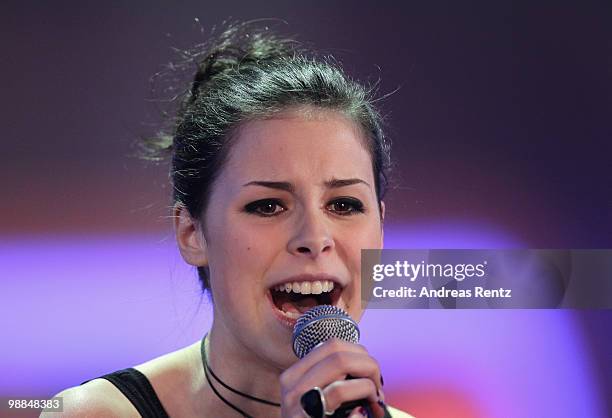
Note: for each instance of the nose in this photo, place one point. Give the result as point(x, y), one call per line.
point(312, 237)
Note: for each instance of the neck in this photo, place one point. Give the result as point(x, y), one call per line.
point(238, 367)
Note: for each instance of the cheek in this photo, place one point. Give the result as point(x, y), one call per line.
point(356, 239)
point(368, 237)
point(243, 255)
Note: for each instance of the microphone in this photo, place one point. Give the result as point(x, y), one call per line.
point(318, 325)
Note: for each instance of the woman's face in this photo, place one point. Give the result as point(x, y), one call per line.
point(292, 208)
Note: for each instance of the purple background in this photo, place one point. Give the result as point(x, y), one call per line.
point(501, 129)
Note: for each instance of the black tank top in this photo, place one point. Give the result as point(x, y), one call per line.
point(136, 387)
point(138, 390)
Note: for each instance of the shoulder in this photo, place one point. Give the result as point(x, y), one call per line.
point(169, 375)
point(175, 378)
point(97, 398)
point(396, 413)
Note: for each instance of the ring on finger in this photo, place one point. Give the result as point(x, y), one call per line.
point(313, 403)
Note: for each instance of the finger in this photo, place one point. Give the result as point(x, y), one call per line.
point(380, 407)
point(338, 366)
point(343, 391)
point(316, 355)
point(334, 367)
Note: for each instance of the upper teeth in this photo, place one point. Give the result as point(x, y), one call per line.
point(306, 288)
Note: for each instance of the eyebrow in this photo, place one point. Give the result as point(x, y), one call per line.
point(279, 185)
point(288, 187)
point(336, 183)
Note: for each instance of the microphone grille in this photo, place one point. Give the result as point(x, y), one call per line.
point(321, 323)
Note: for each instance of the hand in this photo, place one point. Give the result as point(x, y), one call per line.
point(327, 367)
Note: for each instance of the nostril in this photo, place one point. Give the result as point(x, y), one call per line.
point(303, 250)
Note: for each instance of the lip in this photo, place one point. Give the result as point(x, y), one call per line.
point(284, 319)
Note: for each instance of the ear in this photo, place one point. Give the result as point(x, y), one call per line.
point(189, 237)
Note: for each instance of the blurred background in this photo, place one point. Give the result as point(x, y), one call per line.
point(501, 122)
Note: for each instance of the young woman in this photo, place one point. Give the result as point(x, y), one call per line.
point(279, 170)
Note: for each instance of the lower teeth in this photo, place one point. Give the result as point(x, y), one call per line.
point(293, 305)
point(292, 315)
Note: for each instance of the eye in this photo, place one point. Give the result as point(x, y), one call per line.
point(346, 206)
point(265, 207)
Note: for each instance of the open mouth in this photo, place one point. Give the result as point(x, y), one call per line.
point(293, 299)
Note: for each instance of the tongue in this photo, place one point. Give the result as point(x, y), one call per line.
point(299, 306)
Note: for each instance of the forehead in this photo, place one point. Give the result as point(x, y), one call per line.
point(317, 144)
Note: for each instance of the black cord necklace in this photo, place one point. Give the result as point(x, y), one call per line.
point(208, 370)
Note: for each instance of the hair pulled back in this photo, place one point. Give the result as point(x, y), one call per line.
point(246, 73)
